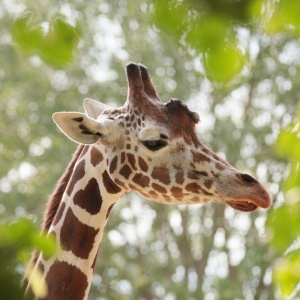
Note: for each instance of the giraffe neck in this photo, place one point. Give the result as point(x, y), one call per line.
point(78, 224)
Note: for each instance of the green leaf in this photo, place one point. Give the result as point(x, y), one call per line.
point(21, 237)
point(207, 33)
point(288, 142)
point(28, 37)
point(285, 18)
point(283, 225)
point(224, 63)
point(17, 240)
point(288, 145)
point(286, 272)
point(56, 47)
point(44, 243)
point(170, 16)
point(17, 234)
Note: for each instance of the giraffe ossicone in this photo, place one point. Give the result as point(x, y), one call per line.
point(145, 146)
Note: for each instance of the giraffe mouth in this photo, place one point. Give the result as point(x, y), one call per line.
point(253, 197)
point(244, 206)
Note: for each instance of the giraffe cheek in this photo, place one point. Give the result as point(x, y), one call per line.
point(125, 171)
point(141, 180)
point(160, 189)
point(179, 177)
point(113, 165)
point(193, 188)
point(142, 164)
point(176, 192)
point(162, 175)
point(208, 184)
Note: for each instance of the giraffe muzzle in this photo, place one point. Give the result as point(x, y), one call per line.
point(250, 195)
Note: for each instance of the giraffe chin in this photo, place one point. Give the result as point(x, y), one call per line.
point(242, 205)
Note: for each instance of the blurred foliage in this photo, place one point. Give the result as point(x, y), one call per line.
point(284, 222)
point(17, 241)
point(210, 27)
point(286, 274)
point(55, 47)
point(288, 145)
point(284, 18)
point(236, 62)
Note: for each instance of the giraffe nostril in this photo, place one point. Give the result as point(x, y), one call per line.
point(247, 178)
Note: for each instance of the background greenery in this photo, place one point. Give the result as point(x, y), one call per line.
point(235, 62)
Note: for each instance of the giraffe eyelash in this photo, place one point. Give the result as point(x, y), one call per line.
point(154, 145)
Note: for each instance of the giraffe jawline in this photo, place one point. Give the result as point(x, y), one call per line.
point(242, 205)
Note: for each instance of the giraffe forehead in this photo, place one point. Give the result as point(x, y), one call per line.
point(156, 119)
point(152, 132)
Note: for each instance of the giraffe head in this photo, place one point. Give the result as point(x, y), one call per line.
point(152, 148)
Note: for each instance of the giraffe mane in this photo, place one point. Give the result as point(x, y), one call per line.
point(55, 198)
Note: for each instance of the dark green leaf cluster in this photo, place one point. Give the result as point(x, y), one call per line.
point(17, 242)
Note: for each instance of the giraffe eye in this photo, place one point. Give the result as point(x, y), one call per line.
point(154, 145)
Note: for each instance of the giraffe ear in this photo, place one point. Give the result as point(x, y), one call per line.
point(85, 130)
point(94, 108)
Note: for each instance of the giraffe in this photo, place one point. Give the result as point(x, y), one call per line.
point(145, 146)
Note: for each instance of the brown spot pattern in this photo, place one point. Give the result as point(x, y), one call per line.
point(208, 184)
point(78, 173)
point(108, 211)
point(96, 156)
point(219, 166)
point(90, 198)
point(195, 199)
point(153, 194)
point(59, 213)
point(109, 185)
point(144, 194)
point(162, 175)
point(123, 157)
point(200, 158)
point(132, 187)
point(179, 177)
point(113, 164)
point(159, 188)
point(215, 174)
point(76, 236)
point(119, 182)
point(193, 187)
point(192, 175)
point(141, 180)
point(125, 171)
point(65, 282)
point(176, 191)
point(143, 165)
point(131, 160)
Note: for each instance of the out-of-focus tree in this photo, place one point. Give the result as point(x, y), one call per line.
point(236, 62)
point(16, 243)
point(285, 235)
